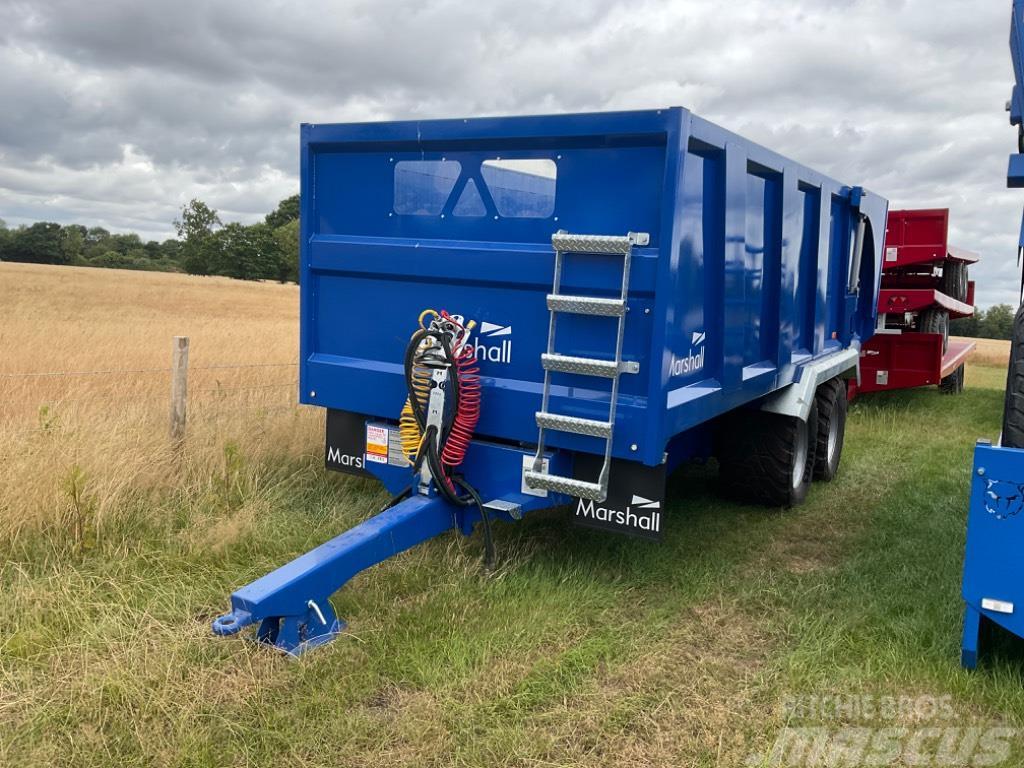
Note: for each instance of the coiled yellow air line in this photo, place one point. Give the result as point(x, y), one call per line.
point(409, 433)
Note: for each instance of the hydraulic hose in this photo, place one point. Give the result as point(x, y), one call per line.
point(421, 443)
point(471, 498)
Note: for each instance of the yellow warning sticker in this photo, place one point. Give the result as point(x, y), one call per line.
point(377, 443)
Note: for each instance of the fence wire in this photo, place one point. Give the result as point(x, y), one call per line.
point(234, 393)
point(120, 371)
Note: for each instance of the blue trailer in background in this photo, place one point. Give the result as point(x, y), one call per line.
point(993, 586)
point(993, 582)
point(503, 315)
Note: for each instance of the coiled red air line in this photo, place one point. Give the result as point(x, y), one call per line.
point(467, 411)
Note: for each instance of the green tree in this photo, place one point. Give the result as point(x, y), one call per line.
point(39, 243)
point(113, 260)
point(5, 234)
point(966, 326)
point(245, 253)
point(126, 243)
point(196, 228)
point(170, 250)
point(287, 211)
point(95, 235)
point(997, 322)
point(72, 243)
point(287, 237)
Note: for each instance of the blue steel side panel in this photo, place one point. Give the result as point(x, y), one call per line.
point(1015, 169)
point(772, 241)
point(1017, 57)
point(743, 282)
point(993, 568)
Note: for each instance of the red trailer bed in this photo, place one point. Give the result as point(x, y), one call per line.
point(906, 360)
point(899, 300)
point(924, 285)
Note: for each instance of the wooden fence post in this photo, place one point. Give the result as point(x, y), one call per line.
point(179, 387)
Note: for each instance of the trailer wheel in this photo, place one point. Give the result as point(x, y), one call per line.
point(767, 457)
point(935, 321)
point(954, 280)
point(1013, 408)
point(831, 402)
point(954, 383)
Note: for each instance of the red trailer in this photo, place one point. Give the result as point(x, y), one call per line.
point(924, 286)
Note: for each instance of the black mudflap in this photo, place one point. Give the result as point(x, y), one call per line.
point(346, 442)
point(635, 498)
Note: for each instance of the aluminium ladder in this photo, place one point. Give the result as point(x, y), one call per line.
point(565, 243)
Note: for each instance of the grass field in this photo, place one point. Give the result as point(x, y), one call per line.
point(990, 352)
point(582, 649)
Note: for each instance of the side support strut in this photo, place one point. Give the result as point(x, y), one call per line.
point(292, 603)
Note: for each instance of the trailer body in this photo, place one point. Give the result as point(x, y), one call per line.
point(693, 273)
point(903, 353)
point(743, 282)
point(993, 577)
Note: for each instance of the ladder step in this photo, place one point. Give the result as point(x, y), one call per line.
point(574, 424)
point(587, 366)
point(567, 485)
point(586, 305)
point(567, 243)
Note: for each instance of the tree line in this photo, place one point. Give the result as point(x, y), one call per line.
point(268, 250)
point(996, 322)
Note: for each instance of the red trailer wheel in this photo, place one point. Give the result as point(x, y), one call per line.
point(954, 280)
point(936, 321)
point(954, 383)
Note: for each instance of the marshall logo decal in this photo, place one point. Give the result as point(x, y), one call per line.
point(634, 503)
point(345, 448)
point(641, 514)
point(694, 361)
point(494, 343)
point(337, 458)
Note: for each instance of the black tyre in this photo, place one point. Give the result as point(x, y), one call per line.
point(954, 383)
point(1013, 409)
point(831, 401)
point(935, 321)
point(767, 457)
point(954, 280)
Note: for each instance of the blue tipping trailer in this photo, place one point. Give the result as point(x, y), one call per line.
point(593, 299)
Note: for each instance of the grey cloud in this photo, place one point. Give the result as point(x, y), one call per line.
point(117, 112)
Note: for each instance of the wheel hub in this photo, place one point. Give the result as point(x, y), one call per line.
point(833, 440)
point(800, 456)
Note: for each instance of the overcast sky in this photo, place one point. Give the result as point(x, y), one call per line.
point(116, 112)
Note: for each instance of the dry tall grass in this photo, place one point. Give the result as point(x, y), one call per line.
point(82, 450)
point(989, 351)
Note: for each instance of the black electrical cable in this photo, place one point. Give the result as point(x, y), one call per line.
point(485, 520)
point(453, 381)
point(431, 445)
point(400, 496)
point(471, 498)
